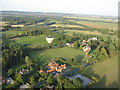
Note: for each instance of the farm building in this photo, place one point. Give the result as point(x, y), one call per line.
point(93, 38)
point(8, 80)
point(84, 42)
point(70, 44)
point(24, 71)
point(53, 66)
point(25, 86)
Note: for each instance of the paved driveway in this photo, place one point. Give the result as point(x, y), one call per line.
point(85, 80)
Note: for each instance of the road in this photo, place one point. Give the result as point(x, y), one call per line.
point(65, 74)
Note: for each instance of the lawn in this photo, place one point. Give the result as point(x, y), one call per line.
point(45, 55)
point(64, 52)
point(107, 71)
point(39, 39)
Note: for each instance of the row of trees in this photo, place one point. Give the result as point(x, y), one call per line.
point(24, 19)
point(12, 53)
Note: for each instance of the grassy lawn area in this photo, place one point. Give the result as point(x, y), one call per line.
point(108, 72)
point(39, 39)
point(45, 55)
point(63, 52)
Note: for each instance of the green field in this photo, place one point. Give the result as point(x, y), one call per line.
point(57, 52)
point(40, 39)
point(100, 25)
point(64, 52)
point(45, 55)
point(107, 71)
point(13, 32)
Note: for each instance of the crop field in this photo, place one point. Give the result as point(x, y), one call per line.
point(40, 39)
point(70, 32)
point(100, 25)
point(60, 25)
point(108, 71)
point(93, 18)
point(3, 23)
point(20, 25)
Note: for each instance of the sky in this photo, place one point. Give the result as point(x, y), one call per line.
point(93, 7)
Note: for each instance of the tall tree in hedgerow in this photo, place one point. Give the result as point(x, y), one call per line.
point(76, 44)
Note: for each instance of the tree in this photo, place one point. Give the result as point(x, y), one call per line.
point(40, 79)
point(32, 80)
point(97, 50)
point(19, 78)
point(10, 72)
point(50, 80)
point(76, 45)
point(74, 34)
point(77, 83)
point(111, 47)
point(80, 47)
point(28, 61)
point(31, 69)
point(68, 84)
point(60, 44)
point(103, 51)
point(101, 57)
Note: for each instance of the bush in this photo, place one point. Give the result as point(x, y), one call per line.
point(95, 79)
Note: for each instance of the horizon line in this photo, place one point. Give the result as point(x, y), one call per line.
point(61, 13)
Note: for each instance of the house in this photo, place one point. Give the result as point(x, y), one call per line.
point(54, 67)
point(51, 70)
point(84, 42)
point(24, 71)
point(9, 80)
point(94, 38)
point(25, 86)
point(41, 71)
point(70, 44)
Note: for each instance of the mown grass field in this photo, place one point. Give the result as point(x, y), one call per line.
point(63, 52)
point(108, 72)
point(39, 39)
point(58, 52)
point(45, 55)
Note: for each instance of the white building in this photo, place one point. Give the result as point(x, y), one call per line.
point(25, 86)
